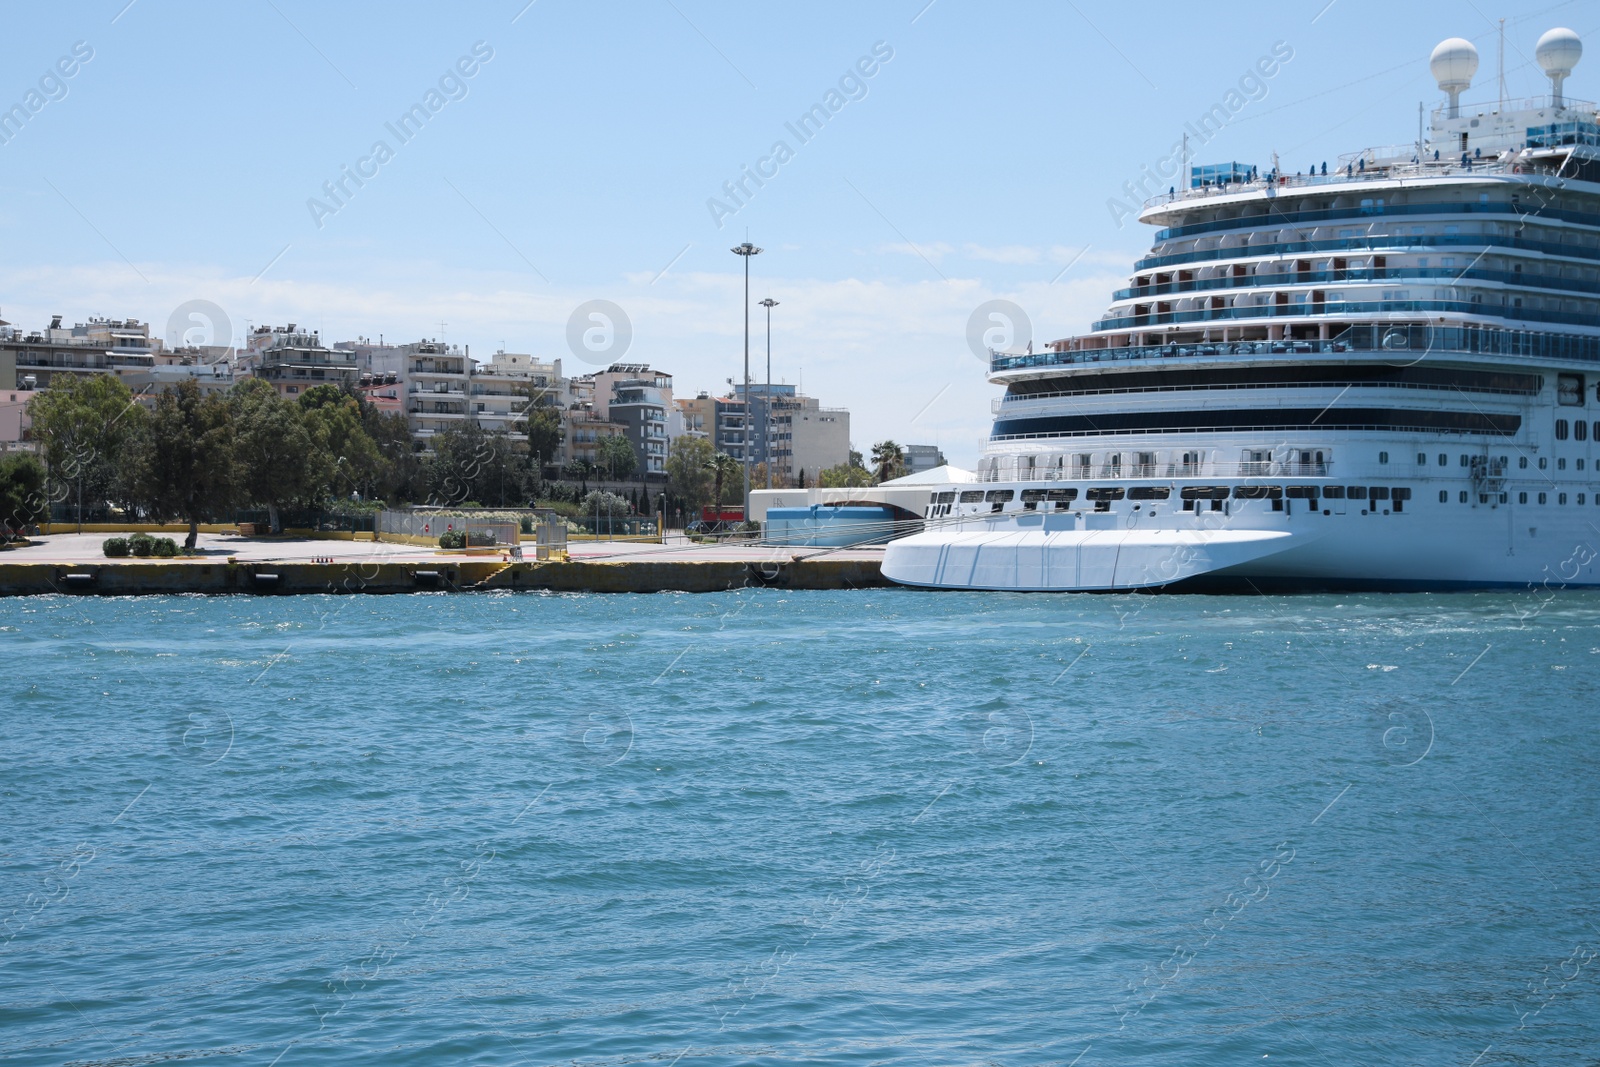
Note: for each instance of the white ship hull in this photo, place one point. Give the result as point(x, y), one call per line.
point(1503, 546)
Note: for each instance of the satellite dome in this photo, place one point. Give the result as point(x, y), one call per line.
point(1558, 51)
point(1454, 62)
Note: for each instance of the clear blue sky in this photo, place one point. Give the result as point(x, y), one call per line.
point(576, 163)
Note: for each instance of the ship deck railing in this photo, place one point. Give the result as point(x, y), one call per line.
point(1418, 340)
point(1208, 469)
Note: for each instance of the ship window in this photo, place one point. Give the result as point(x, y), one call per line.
point(1422, 458)
point(1444, 496)
point(1378, 492)
point(1001, 496)
point(1522, 462)
point(1597, 430)
point(1357, 492)
point(1333, 492)
point(1383, 457)
point(1105, 493)
point(1301, 492)
point(1561, 464)
point(1443, 459)
point(1544, 497)
point(1032, 496)
point(1401, 492)
point(944, 498)
point(1061, 495)
point(1522, 498)
point(1464, 497)
point(1258, 492)
point(1561, 498)
point(1580, 430)
point(1561, 429)
point(1203, 492)
point(972, 496)
point(1466, 461)
point(1149, 492)
point(1580, 498)
point(1544, 461)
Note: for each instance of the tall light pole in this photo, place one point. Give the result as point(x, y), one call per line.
point(766, 415)
point(746, 250)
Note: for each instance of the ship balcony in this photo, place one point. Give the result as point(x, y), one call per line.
point(1523, 280)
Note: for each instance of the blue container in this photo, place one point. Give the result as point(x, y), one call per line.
point(831, 526)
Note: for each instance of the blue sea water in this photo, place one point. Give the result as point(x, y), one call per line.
point(767, 827)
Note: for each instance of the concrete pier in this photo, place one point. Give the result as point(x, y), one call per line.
point(74, 565)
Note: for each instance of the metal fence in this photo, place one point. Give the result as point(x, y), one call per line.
point(430, 525)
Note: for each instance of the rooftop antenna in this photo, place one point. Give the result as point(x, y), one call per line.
point(1557, 52)
point(1453, 63)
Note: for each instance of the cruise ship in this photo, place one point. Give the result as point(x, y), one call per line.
point(1380, 374)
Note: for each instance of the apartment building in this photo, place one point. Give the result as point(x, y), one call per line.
point(99, 346)
point(293, 360)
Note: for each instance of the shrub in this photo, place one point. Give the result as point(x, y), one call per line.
point(453, 539)
point(482, 537)
point(141, 544)
point(166, 548)
point(114, 546)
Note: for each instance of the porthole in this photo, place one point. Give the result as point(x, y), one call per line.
point(1444, 460)
point(1383, 457)
point(1522, 462)
point(1463, 497)
point(1544, 461)
point(1522, 498)
point(1561, 429)
point(1544, 498)
point(1561, 498)
point(1422, 458)
point(1444, 496)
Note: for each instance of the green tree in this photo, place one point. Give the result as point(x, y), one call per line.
point(888, 461)
point(273, 450)
point(729, 472)
point(83, 426)
point(844, 476)
point(401, 473)
point(344, 456)
point(23, 499)
point(688, 471)
point(182, 464)
point(469, 463)
point(614, 455)
point(544, 438)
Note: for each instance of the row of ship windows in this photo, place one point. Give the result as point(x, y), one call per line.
point(1192, 495)
point(1500, 462)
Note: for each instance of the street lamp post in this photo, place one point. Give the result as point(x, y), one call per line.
point(746, 250)
point(766, 393)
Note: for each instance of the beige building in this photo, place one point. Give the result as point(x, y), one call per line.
point(294, 360)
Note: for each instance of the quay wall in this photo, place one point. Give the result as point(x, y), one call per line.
point(451, 574)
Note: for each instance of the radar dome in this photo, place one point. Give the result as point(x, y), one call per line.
point(1454, 63)
point(1558, 51)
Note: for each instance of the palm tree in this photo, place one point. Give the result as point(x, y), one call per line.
point(887, 460)
point(722, 467)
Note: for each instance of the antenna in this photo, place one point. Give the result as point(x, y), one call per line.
point(1502, 66)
